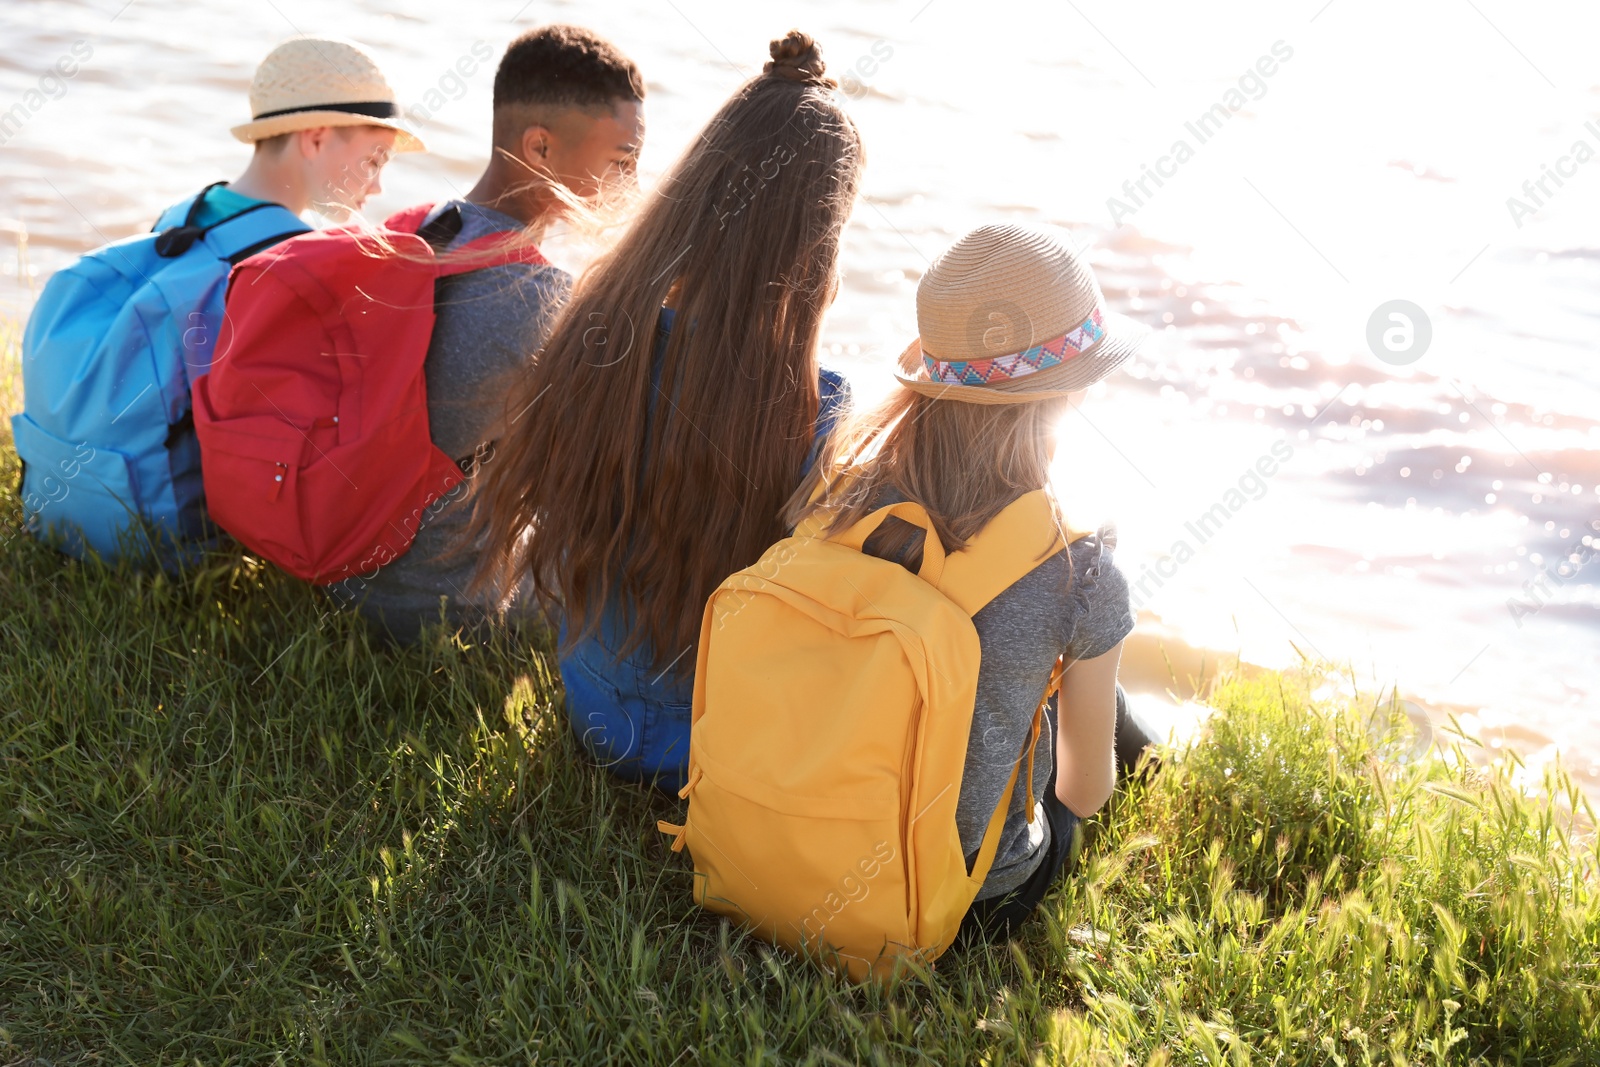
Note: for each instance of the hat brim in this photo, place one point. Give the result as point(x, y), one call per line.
point(1123, 337)
point(261, 129)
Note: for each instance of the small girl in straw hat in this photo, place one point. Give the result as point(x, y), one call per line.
point(1012, 326)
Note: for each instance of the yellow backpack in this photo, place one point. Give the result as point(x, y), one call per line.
point(833, 702)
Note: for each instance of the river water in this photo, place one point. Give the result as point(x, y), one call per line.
point(1253, 183)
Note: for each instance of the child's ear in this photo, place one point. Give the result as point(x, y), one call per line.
point(314, 140)
point(536, 145)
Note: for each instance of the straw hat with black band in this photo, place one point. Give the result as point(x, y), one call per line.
point(1012, 314)
point(308, 82)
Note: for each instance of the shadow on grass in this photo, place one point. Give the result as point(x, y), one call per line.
point(233, 831)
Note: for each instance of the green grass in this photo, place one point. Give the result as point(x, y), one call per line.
point(232, 832)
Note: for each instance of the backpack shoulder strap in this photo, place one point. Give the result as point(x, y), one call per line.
point(184, 211)
point(491, 250)
point(441, 225)
point(255, 228)
point(1016, 541)
point(438, 228)
point(984, 861)
point(234, 238)
point(411, 219)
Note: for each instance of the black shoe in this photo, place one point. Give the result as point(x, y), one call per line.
point(1134, 739)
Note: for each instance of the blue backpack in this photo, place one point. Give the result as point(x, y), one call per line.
point(106, 437)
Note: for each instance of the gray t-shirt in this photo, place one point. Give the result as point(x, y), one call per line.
point(490, 324)
point(1020, 634)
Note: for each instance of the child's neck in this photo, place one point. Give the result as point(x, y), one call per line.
point(516, 198)
point(276, 180)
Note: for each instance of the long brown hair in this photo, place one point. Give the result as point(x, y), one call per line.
point(964, 463)
point(644, 482)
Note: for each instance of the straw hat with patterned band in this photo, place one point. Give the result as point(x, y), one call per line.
point(308, 82)
point(1012, 314)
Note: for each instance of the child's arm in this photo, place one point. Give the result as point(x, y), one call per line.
point(1086, 726)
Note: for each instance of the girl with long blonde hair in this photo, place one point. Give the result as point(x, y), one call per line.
point(1013, 327)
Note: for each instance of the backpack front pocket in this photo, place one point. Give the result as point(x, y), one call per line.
point(258, 458)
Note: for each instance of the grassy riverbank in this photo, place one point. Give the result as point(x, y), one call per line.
point(231, 833)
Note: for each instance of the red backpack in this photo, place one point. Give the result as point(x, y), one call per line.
point(313, 421)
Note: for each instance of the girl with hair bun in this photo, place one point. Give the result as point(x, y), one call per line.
point(675, 407)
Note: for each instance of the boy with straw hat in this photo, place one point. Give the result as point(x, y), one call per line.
point(117, 339)
point(324, 122)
